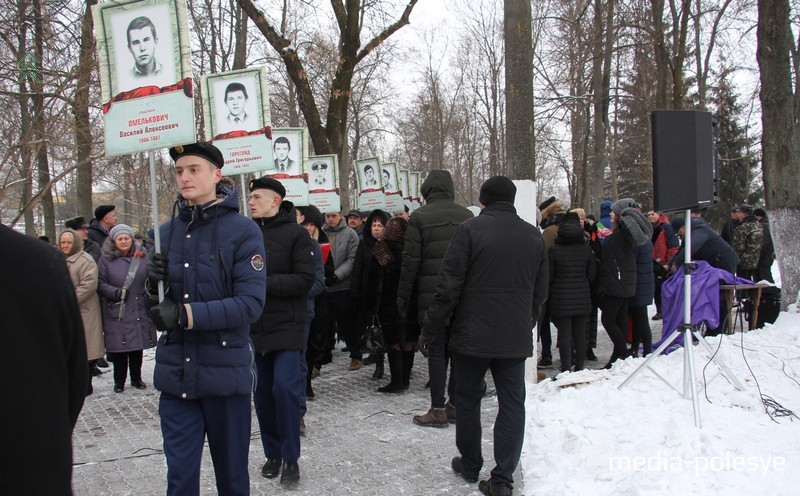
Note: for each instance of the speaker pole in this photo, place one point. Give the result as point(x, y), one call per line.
point(687, 330)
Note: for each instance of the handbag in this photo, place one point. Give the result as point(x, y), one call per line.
point(373, 337)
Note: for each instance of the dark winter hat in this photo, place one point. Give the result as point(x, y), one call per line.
point(199, 149)
point(312, 215)
point(120, 229)
point(546, 203)
point(736, 209)
point(355, 212)
point(748, 209)
point(102, 211)
point(677, 223)
point(268, 183)
point(622, 204)
point(759, 212)
point(75, 223)
point(497, 189)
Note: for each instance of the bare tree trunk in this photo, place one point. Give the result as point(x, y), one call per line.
point(83, 129)
point(40, 131)
point(240, 50)
point(603, 40)
point(26, 134)
point(779, 144)
point(519, 89)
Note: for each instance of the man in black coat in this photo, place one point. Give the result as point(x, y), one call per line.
point(429, 231)
point(41, 318)
point(279, 334)
point(493, 282)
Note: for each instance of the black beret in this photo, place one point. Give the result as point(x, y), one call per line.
point(199, 149)
point(75, 222)
point(268, 183)
point(102, 211)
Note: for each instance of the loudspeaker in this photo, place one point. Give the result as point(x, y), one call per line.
point(684, 160)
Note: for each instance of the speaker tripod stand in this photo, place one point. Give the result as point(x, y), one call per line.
point(688, 331)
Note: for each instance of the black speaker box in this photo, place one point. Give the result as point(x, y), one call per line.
point(684, 160)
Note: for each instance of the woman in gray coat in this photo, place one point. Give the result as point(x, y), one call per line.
point(126, 322)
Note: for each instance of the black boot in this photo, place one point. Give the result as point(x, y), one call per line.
point(396, 370)
point(378, 374)
point(408, 364)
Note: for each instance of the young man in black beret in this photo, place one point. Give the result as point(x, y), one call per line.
point(212, 264)
point(279, 334)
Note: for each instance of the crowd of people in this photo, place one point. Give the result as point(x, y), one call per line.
point(253, 308)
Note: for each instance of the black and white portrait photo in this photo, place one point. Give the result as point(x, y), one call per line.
point(320, 176)
point(288, 151)
point(389, 177)
point(235, 103)
point(144, 48)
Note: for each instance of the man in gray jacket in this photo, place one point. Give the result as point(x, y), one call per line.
point(344, 243)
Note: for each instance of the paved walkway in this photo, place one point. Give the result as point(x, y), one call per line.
point(358, 441)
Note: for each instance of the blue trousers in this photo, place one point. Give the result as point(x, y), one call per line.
point(301, 381)
point(509, 427)
point(277, 402)
point(185, 424)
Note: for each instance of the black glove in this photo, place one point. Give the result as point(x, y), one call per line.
point(424, 344)
point(158, 268)
point(402, 307)
point(331, 280)
point(166, 315)
point(120, 294)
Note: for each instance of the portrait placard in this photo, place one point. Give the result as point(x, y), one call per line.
point(237, 116)
point(391, 187)
point(289, 154)
point(370, 189)
point(404, 189)
point(145, 74)
point(413, 185)
point(323, 182)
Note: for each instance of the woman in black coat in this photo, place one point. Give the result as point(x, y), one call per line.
point(617, 276)
point(637, 305)
point(572, 270)
point(375, 279)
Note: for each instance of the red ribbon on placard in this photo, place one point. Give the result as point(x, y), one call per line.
point(185, 85)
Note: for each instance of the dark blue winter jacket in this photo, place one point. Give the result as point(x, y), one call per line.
point(645, 280)
point(217, 267)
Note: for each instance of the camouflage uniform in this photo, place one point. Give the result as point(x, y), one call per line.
point(747, 240)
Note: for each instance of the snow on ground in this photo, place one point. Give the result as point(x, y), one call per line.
point(595, 439)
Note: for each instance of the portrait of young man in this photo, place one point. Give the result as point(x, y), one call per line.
point(319, 176)
point(369, 177)
point(236, 99)
point(283, 163)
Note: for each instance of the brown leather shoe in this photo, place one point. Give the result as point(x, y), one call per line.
point(314, 373)
point(450, 411)
point(355, 364)
point(434, 418)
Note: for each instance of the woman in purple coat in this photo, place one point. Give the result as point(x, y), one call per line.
point(126, 323)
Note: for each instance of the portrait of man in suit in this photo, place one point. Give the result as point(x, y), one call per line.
point(142, 42)
point(283, 164)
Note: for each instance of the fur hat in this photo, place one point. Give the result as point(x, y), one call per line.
point(120, 229)
point(555, 208)
point(75, 222)
point(497, 189)
point(546, 203)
